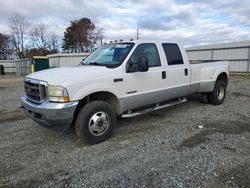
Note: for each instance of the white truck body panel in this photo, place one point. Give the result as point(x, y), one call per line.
point(203, 73)
point(138, 88)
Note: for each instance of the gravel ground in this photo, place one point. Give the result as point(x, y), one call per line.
point(161, 149)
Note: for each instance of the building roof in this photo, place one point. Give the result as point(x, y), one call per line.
point(68, 55)
point(222, 45)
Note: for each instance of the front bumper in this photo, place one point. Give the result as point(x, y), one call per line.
point(50, 114)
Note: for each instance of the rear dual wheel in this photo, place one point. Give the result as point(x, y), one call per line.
point(217, 96)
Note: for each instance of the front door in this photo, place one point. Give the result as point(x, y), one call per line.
point(143, 88)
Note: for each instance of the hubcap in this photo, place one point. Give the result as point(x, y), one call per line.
point(98, 123)
point(220, 92)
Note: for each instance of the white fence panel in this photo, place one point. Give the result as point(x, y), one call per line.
point(199, 55)
point(9, 65)
point(237, 53)
point(66, 60)
point(231, 54)
point(23, 67)
point(238, 66)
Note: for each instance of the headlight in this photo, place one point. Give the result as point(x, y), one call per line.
point(58, 94)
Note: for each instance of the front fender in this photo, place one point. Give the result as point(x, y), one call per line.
point(79, 92)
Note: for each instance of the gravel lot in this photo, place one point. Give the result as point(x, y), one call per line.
point(162, 149)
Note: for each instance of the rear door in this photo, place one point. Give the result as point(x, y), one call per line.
point(177, 81)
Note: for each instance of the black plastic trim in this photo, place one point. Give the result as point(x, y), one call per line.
point(118, 79)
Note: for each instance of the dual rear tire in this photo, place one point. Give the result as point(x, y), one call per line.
point(217, 96)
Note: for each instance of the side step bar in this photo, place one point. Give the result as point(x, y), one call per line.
point(157, 107)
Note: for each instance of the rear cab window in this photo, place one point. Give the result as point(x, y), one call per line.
point(173, 54)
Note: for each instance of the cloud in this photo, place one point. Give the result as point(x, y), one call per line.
point(191, 21)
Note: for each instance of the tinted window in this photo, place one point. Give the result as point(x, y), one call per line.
point(173, 54)
point(148, 50)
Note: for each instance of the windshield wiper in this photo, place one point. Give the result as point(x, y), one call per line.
point(95, 63)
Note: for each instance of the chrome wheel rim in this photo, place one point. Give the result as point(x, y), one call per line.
point(220, 92)
point(98, 123)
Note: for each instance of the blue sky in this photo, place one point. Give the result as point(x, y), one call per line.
point(192, 22)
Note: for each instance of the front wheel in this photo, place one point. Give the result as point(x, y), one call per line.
point(218, 95)
point(95, 122)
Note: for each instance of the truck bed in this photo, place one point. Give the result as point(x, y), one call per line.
point(201, 61)
point(203, 74)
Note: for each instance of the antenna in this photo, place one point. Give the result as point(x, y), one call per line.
point(137, 33)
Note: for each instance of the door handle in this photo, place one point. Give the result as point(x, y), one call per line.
point(163, 74)
point(186, 72)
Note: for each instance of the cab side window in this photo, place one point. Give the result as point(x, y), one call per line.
point(149, 51)
point(173, 53)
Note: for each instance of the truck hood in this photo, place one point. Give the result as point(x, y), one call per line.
point(58, 76)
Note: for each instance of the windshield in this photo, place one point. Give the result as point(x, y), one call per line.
point(111, 55)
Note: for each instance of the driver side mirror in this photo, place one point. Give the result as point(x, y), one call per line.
point(143, 64)
point(140, 66)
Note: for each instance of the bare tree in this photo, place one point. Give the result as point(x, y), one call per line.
point(43, 40)
point(54, 42)
point(6, 50)
point(18, 27)
point(99, 34)
point(95, 35)
point(39, 37)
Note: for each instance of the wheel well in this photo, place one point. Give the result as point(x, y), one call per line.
point(223, 76)
point(102, 96)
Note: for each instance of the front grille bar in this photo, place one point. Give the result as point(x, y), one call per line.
point(35, 91)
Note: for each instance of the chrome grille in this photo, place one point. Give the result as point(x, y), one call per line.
point(35, 92)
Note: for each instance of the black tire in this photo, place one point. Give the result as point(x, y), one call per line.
point(218, 95)
point(91, 115)
point(204, 98)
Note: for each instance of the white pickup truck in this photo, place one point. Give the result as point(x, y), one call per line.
point(121, 79)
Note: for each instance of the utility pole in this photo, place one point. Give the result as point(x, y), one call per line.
point(137, 33)
point(248, 64)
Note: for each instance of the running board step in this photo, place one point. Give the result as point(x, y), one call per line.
point(157, 107)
